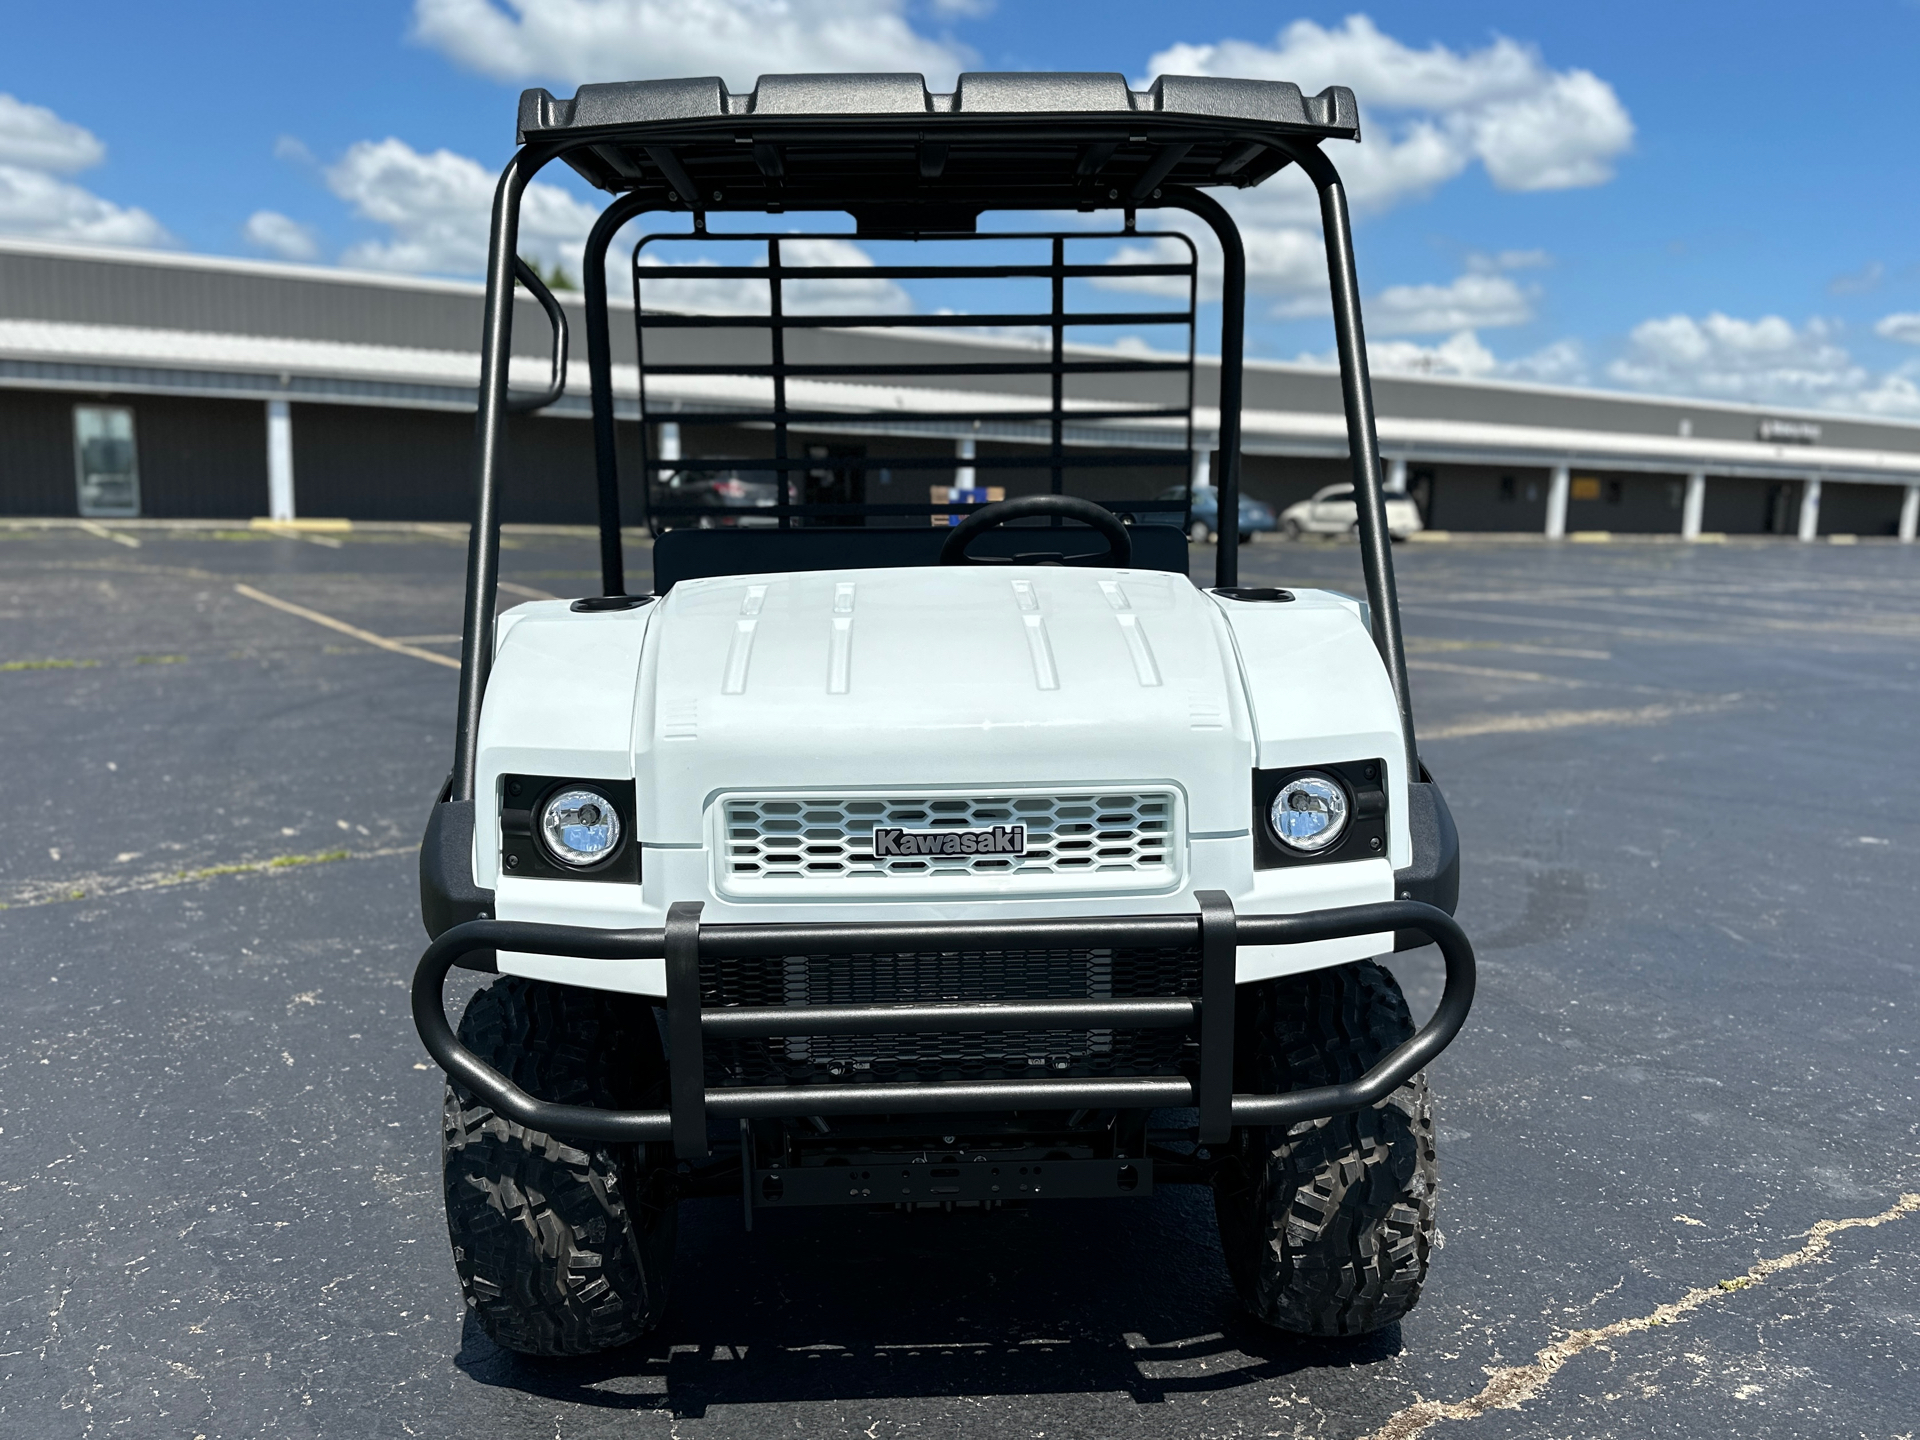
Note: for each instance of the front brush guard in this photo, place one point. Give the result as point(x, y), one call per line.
point(683, 941)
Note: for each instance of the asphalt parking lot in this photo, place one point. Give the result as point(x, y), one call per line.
point(1675, 1137)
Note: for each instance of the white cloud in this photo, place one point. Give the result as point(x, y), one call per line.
point(35, 203)
point(1286, 260)
point(437, 207)
point(1859, 282)
point(1904, 328)
point(798, 297)
point(1428, 116)
point(1470, 302)
point(1764, 360)
point(1532, 127)
point(1481, 263)
point(36, 146)
point(293, 150)
point(580, 41)
point(1462, 354)
point(34, 138)
point(1564, 362)
point(278, 235)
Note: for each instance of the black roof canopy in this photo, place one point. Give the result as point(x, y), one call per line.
point(885, 146)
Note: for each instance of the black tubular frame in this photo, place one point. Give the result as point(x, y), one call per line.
point(483, 545)
point(557, 318)
point(783, 418)
point(682, 942)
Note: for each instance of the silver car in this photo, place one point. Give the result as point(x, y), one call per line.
point(1332, 512)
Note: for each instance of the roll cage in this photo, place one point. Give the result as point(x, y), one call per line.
point(910, 164)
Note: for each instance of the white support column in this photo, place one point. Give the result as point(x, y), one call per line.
point(1909, 514)
point(1696, 504)
point(279, 460)
point(669, 437)
point(1810, 509)
point(963, 474)
point(1397, 476)
point(1203, 460)
point(1557, 486)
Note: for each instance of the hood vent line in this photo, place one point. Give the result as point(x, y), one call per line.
point(740, 652)
point(1044, 675)
point(840, 648)
point(1144, 669)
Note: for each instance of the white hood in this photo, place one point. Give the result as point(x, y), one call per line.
point(989, 676)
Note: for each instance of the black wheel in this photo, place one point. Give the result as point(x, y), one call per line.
point(561, 1249)
point(1327, 1225)
point(1198, 533)
point(1292, 529)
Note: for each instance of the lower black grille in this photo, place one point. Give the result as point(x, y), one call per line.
point(951, 975)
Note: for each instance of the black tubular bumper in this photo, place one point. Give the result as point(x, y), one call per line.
point(683, 941)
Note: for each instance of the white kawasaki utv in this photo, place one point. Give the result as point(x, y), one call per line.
point(877, 859)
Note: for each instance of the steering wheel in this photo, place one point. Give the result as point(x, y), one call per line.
point(1119, 551)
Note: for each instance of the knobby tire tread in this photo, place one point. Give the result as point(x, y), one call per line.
point(561, 1249)
point(1327, 1225)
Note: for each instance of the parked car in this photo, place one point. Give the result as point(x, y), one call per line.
point(1332, 512)
point(1204, 524)
point(719, 500)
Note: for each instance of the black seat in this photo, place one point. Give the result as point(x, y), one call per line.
point(696, 554)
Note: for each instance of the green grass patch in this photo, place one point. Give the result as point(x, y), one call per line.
point(48, 664)
point(281, 862)
point(159, 659)
point(278, 862)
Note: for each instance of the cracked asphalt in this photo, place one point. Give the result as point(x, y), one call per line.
point(1685, 783)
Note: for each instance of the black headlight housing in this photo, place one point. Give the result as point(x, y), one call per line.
point(522, 798)
point(1365, 837)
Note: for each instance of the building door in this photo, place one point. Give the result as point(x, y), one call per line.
point(106, 470)
point(841, 481)
point(1420, 491)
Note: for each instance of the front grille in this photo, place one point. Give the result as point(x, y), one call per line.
point(1090, 839)
point(951, 975)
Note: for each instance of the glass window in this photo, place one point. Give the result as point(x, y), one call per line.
point(106, 472)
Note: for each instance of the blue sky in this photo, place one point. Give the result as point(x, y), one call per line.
point(1696, 199)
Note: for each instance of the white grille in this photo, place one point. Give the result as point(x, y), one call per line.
point(1080, 840)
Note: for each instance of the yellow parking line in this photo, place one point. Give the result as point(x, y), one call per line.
point(1568, 719)
point(365, 636)
point(1512, 1386)
point(105, 534)
point(525, 590)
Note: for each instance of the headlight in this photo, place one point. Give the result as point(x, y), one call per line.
point(580, 827)
point(1309, 813)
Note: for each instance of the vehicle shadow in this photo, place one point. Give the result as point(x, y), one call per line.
point(1070, 1298)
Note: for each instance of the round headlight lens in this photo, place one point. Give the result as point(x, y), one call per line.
point(580, 827)
point(1309, 813)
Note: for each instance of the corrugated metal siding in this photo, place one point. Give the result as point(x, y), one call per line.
point(91, 290)
point(200, 457)
point(374, 463)
point(36, 454)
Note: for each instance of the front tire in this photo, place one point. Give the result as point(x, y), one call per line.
point(1292, 528)
point(561, 1249)
point(1327, 1226)
point(1198, 533)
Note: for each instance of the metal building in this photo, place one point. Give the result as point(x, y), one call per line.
point(140, 383)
